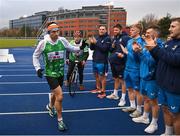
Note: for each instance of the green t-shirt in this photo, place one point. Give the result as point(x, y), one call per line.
point(54, 59)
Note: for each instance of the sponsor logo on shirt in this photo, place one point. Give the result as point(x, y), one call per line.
point(55, 55)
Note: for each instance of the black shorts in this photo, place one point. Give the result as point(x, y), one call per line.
point(55, 82)
point(117, 70)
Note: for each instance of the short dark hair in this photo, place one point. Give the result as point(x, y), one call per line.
point(103, 26)
point(175, 19)
point(118, 26)
point(155, 27)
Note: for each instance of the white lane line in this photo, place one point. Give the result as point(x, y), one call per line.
point(79, 110)
point(25, 65)
point(8, 83)
point(18, 94)
point(21, 75)
point(18, 69)
point(16, 65)
point(42, 82)
point(28, 69)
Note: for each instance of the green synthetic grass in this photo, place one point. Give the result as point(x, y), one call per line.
point(12, 43)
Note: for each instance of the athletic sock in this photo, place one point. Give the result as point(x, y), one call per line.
point(60, 119)
point(169, 130)
point(139, 108)
point(146, 114)
point(154, 121)
point(132, 104)
point(115, 92)
point(123, 95)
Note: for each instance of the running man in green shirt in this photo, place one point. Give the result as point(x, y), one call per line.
point(53, 49)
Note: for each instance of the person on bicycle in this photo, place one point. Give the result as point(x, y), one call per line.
point(81, 57)
point(52, 48)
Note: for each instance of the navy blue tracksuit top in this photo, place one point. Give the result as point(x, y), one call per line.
point(168, 68)
point(101, 49)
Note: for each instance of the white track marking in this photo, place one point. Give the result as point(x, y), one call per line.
point(42, 82)
point(20, 75)
point(79, 110)
point(18, 94)
point(28, 69)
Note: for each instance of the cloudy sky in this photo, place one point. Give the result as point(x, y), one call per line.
point(136, 9)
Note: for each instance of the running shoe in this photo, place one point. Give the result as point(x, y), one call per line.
point(129, 109)
point(122, 102)
point(52, 111)
point(62, 126)
point(151, 128)
point(135, 114)
point(96, 91)
point(81, 87)
point(101, 95)
point(112, 96)
point(141, 119)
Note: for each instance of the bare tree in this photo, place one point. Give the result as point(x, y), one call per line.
point(149, 19)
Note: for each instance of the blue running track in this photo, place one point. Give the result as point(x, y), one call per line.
point(23, 97)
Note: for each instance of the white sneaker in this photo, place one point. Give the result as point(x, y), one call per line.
point(112, 96)
point(151, 128)
point(129, 109)
point(135, 114)
point(164, 134)
point(122, 102)
point(141, 119)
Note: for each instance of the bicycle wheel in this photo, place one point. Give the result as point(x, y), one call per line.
point(73, 83)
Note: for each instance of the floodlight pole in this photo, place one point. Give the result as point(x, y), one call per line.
point(25, 32)
point(109, 3)
point(109, 19)
point(25, 29)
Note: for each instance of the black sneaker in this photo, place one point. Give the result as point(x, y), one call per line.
point(52, 112)
point(61, 126)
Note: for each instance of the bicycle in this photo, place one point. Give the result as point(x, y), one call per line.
point(73, 80)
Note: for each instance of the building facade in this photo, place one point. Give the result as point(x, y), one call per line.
point(88, 19)
point(34, 22)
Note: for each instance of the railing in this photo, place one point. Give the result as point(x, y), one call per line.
point(41, 29)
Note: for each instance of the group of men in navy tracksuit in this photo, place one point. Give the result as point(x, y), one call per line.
point(148, 68)
point(145, 66)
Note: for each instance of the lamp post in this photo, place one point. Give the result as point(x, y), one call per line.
point(109, 3)
point(25, 33)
